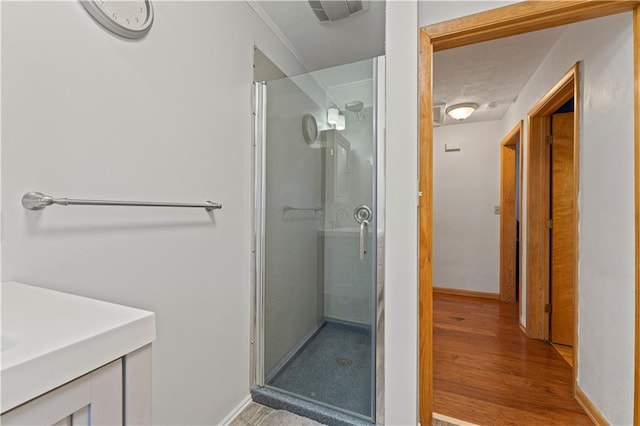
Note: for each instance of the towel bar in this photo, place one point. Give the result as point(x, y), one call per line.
point(38, 201)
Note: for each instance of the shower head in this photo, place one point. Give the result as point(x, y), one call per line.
point(355, 106)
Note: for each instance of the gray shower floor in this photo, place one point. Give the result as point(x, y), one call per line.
point(334, 368)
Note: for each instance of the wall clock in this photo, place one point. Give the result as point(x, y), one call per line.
point(309, 128)
point(127, 18)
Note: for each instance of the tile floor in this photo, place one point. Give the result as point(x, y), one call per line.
point(260, 415)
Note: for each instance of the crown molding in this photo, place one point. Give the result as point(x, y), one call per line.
point(257, 8)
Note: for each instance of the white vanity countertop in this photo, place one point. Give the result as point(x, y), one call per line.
point(50, 338)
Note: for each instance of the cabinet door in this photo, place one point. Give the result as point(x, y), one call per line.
point(93, 399)
point(79, 418)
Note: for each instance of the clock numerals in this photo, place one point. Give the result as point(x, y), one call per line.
point(126, 18)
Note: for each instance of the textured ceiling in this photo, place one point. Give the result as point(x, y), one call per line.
point(489, 72)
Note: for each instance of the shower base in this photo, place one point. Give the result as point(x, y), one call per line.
point(332, 367)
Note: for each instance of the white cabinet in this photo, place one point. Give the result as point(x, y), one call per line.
point(93, 399)
point(74, 360)
point(115, 394)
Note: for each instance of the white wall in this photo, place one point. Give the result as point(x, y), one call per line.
point(270, 44)
point(607, 279)
point(88, 115)
point(606, 212)
point(466, 187)
point(434, 11)
point(401, 269)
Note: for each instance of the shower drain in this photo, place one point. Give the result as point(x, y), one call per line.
point(344, 362)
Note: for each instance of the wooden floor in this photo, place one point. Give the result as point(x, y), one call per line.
point(487, 372)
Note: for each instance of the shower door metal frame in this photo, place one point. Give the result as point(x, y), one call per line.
point(257, 373)
point(258, 238)
point(379, 134)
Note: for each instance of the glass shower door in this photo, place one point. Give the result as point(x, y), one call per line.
point(318, 238)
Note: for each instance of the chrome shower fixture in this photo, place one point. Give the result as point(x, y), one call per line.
point(356, 107)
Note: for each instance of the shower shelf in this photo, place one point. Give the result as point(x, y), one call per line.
point(290, 208)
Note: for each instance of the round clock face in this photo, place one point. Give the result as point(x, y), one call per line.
point(126, 18)
point(309, 128)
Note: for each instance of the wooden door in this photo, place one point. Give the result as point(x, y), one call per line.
point(508, 259)
point(563, 229)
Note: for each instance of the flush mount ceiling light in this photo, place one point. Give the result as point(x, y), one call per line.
point(332, 116)
point(461, 111)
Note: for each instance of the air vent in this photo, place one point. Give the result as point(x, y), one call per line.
point(438, 114)
point(332, 10)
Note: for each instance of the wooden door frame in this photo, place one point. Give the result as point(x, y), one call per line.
point(508, 180)
point(538, 201)
point(506, 21)
point(538, 207)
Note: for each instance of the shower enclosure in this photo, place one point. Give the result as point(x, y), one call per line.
point(319, 243)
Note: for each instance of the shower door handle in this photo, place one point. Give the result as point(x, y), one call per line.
point(363, 214)
point(363, 238)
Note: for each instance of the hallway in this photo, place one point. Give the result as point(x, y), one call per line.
point(487, 372)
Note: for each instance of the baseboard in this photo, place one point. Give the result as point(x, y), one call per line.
point(467, 293)
point(275, 370)
point(234, 413)
point(356, 325)
point(594, 414)
point(522, 328)
point(451, 420)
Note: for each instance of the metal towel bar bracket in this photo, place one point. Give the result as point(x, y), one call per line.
point(38, 201)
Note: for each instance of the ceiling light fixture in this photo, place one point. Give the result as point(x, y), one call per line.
point(461, 111)
point(332, 116)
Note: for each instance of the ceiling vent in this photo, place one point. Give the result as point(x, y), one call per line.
point(332, 10)
point(438, 114)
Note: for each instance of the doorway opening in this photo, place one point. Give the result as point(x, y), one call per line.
point(319, 242)
point(510, 210)
point(563, 255)
point(469, 158)
point(552, 210)
point(506, 21)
